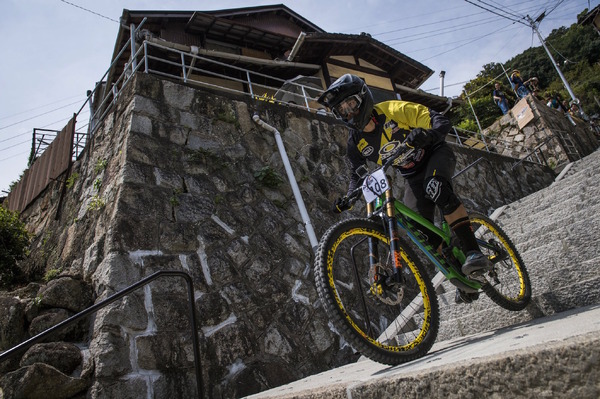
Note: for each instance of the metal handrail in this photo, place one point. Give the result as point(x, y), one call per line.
point(536, 150)
point(94, 308)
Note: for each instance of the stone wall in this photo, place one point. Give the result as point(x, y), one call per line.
point(530, 123)
point(179, 178)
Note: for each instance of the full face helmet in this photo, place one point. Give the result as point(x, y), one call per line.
point(350, 100)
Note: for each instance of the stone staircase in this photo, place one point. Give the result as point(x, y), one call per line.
point(555, 338)
point(557, 232)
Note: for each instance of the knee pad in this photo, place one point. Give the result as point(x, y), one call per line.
point(440, 191)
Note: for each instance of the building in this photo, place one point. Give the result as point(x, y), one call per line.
point(257, 49)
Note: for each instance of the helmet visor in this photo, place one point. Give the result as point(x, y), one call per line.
point(348, 108)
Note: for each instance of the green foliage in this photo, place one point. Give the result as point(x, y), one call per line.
point(96, 203)
point(100, 165)
point(577, 51)
point(468, 124)
point(14, 245)
point(174, 200)
point(52, 274)
point(228, 116)
point(14, 183)
point(268, 177)
point(97, 184)
point(72, 179)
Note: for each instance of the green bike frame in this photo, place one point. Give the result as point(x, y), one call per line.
point(409, 221)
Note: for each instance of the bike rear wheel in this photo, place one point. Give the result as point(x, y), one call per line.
point(508, 283)
point(390, 324)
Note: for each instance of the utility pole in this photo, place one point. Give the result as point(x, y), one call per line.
point(562, 77)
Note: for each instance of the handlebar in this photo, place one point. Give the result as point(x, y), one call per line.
point(401, 150)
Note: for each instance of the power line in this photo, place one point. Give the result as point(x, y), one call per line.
point(36, 116)
point(430, 33)
point(494, 12)
point(421, 25)
point(462, 45)
point(15, 145)
point(40, 107)
point(90, 11)
point(434, 33)
point(15, 155)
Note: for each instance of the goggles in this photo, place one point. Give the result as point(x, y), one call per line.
point(348, 108)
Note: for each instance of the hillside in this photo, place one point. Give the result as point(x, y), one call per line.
point(576, 49)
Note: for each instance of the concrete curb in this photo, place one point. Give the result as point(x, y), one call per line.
point(558, 355)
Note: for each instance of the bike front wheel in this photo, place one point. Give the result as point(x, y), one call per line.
point(390, 321)
point(508, 283)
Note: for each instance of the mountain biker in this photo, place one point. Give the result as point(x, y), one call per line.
point(377, 129)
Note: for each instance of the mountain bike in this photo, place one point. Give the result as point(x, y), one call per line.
point(376, 290)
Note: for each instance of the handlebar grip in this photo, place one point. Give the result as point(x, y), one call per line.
point(400, 150)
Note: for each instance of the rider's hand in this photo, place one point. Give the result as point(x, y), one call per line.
point(419, 138)
point(342, 204)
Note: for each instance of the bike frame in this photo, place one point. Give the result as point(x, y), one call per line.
point(401, 216)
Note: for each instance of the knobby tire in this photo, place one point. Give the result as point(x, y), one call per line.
point(508, 283)
point(397, 330)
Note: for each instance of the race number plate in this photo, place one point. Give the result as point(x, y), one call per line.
point(375, 185)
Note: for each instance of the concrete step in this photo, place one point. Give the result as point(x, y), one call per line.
point(484, 315)
point(547, 201)
point(553, 356)
point(572, 221)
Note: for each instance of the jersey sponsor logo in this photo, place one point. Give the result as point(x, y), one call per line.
point(388, 149)
point(362, 144)
point(391, 124)
point(367, 151)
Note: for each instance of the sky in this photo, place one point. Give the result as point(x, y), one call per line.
point(53, 51)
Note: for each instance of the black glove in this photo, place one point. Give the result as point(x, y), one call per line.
point(419, 138)
point(342, 204)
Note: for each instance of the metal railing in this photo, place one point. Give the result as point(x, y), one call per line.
point(539, 156)
point(467, 138)
point(94, 308)
point(494, 174)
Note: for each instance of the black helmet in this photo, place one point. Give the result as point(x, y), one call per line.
point(349, 87)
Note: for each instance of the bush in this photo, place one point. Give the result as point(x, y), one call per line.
point(14, 245)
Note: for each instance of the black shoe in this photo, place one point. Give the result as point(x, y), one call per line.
point(465, 297)
point(477, 263)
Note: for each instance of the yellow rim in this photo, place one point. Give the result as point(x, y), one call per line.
point(416, 274)
point(511, 253)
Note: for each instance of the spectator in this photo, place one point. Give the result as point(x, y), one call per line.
point(500, 99)
point(518, 84)
point(532, 85)
point(556, 102)
point(578, 112)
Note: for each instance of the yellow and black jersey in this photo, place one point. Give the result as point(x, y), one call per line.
point(394, 120)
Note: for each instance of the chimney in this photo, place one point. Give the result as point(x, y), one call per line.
point(442, 74)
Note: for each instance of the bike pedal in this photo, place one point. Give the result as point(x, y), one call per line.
point(465, 297)
point(478, 276)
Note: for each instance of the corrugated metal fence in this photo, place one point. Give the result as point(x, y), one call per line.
point(51, 164)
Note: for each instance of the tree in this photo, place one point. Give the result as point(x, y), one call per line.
point(14, 245)
point(576, 49)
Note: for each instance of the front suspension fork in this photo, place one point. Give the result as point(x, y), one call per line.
point(392, 228)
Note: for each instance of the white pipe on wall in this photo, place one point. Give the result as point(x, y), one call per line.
point(290, 174)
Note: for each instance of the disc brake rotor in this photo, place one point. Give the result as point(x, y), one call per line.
point(390, 294)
